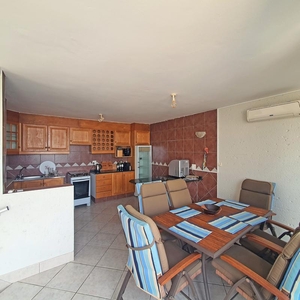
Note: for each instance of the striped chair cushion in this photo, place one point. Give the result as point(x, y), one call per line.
point(291, 282)
point(143, 259)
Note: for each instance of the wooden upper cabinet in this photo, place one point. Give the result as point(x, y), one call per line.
point(12, 138)
point(80, 136)
point(142, 137)
point(44, 139)
point(34, 138)
point(122, 138)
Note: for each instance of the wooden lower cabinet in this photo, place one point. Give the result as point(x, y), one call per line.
point(53, 181)
point(112, 184)
point(101, 185)
point(57, 181)
point(121, 184)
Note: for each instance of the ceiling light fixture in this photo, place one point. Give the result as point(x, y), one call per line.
point(173, 104)
point(200, 134)
point(101, 118)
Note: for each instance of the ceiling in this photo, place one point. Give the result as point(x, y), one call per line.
point(123, 59)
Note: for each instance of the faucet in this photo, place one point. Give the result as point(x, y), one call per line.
point(20, 175)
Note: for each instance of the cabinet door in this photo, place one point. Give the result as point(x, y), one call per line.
point(142, 137)
point(53, 182)
point(128, 186)
point(117, 183)
point(80, 136)
point(34, 138)
point(12, 138)
point(103, 185)
point(122, 138)
point(32, 183)
point(58, 139)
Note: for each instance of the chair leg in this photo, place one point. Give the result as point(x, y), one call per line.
point(124, 284)
point(233, 287)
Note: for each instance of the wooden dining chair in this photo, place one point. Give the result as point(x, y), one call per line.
point(250, 241)
point(255, 278)
point(161, 269)
point(257, 193)
point(154, 199)
point(178, 193)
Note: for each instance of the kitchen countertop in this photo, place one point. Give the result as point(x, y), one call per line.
point(162, 178)
point(110, 171)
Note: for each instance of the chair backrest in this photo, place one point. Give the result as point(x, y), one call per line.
point(147, 258)
point(154, 199)
point(257, 193)
point(178, 193)
point(280, 267)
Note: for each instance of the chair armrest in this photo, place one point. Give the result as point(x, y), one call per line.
point(255, 277)
point(265, 243)
point(178, 268)
point(288, 228)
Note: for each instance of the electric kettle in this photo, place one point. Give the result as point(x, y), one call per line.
point(98, 168)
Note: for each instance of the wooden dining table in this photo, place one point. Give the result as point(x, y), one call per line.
point(219, 240)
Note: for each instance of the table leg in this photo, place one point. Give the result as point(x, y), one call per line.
point(206, 288)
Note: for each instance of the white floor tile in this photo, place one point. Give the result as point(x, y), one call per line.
point(103, 239)
point(71, 277)
point(94, 226)
point(83, 237)
point(119, 242)
point(112, 228)
point(53, 294)
point(90, 255)
point(4, 285)
point(114, 259)
point(86, 297)
point(101, 282)
point(78, 247)
point(20, 291)
point(44, 277)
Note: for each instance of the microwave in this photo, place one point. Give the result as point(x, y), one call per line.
point(179, 168)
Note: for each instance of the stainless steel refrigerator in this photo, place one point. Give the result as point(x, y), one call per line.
point(143, 161)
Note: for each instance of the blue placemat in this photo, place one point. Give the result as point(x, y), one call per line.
point(237, 203)
point(233, 205)
point(208, 201)
point(185, 212)
point(228, 224)
point(190, 231)
point(248, 218)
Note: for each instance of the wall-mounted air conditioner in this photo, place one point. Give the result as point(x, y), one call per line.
point(282, 110)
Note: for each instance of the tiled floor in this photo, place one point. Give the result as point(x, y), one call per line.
point(99, 265)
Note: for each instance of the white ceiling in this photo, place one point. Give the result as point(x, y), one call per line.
point(123, 59)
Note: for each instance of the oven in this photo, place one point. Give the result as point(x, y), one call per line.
point(82, 187)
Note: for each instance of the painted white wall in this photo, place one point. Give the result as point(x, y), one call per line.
point(39, 226)
point(265, 150)
point(37, 233)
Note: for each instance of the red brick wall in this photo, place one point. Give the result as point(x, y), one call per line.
point(176, 139)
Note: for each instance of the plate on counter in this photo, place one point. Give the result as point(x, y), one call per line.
point(46, 165)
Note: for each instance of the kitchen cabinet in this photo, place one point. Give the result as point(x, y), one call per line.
point(47, 182)
point(80, 136)
point(12, 138)
point(45, 139)
point(121, 184)
point(53, 181)
point(122, 138)
point(101, 185)
point(103, 141)
point(142, 137)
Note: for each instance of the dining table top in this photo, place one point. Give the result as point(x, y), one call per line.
point(218, 240)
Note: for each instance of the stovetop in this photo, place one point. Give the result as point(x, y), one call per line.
point(78, 174)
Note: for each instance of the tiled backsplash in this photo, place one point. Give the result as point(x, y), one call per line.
point(79, 159)
point(176, 139)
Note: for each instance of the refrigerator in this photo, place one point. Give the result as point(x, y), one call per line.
point(143, 161)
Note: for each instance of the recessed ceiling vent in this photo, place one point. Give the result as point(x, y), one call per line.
point(282, 110)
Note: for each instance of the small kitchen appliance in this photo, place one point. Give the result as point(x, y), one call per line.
point(98, 168)
point(179, 168)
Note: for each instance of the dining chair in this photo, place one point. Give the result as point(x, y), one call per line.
point(161, 269)
point(255, 278)
point(154, 199)
point(250, 241)
point(257, 193)
point(178, 193)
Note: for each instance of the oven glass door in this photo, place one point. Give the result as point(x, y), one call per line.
point(81, 188)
